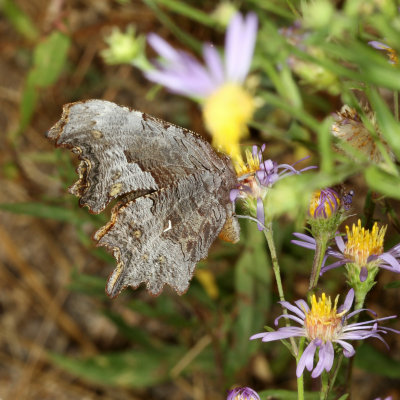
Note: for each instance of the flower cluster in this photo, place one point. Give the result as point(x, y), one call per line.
point(220, 84)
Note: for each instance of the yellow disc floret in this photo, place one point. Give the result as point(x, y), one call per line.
point(251, 165)
point(323, 321)
point(362, 243)
point(226, 113)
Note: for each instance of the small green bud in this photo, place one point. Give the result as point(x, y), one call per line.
point(123, 47)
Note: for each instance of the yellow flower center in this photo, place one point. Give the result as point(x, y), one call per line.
point(329, 205)
point(226, 113)
point(251, 165)
point(362, 243)
point(323, 321)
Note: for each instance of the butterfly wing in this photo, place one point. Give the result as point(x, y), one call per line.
point(124, 151)
point(174, 190)
point(159, 238)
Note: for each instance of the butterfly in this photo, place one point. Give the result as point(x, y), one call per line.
point(172, 188)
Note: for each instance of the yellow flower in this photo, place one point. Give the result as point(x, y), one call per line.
point(362, 243)
point(323, 321)
point(226, 113)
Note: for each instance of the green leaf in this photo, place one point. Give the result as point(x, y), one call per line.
point(135, 369)
point(393, 285)
point(40, 210)
point(373, 361)
point(135, 334)
point(188, 11)
point(389, 126)
point(87, 284)
point(21, 22)
point(28, 103)
point(383, 182)
point(49, 58)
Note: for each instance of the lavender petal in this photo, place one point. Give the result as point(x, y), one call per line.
point(306, 359)
point(348, 349)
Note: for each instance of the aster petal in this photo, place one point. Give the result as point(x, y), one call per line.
point(282, 333)
point(293, 308)
point(233, 194)
point(233, 38)
point(304, 237)
point(372, 321)
point(379, 45)
point(258, 335)
point(162, 47)
point(326, 355)
point(247, 44)
point(302, 305)
point(348, 349)
point(306, 359)
point(329, 356)
point(303, 244)
point(332, 266)
point(387, 257)
point(348, 301)
point(167, 79)
point(214, 64)
point(348, 316)
point(289, 316)
point(340, 243)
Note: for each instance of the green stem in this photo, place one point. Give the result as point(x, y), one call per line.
point(277, 272)
point(300, 380)
point(360, 299)
point(333, 376)
point(317, 264)
point(324, 386)
point(396, 104)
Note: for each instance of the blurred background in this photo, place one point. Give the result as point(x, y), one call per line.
point(60, 336)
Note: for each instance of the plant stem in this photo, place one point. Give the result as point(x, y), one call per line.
point(324, 386)
point(333, 376)
point(396, 104)
point(277, 272)
point(317, 264)
point(300, 380)
point(360, 299)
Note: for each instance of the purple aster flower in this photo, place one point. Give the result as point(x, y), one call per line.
point(242, 393)
point(360, 247)
point(219, 84)
point(323, 326)
point(257, 177)
point(386, 398)
point(181, 73)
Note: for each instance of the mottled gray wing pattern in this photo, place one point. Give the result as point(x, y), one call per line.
point(124, 151)
point(174, 191)
point(159, 238)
